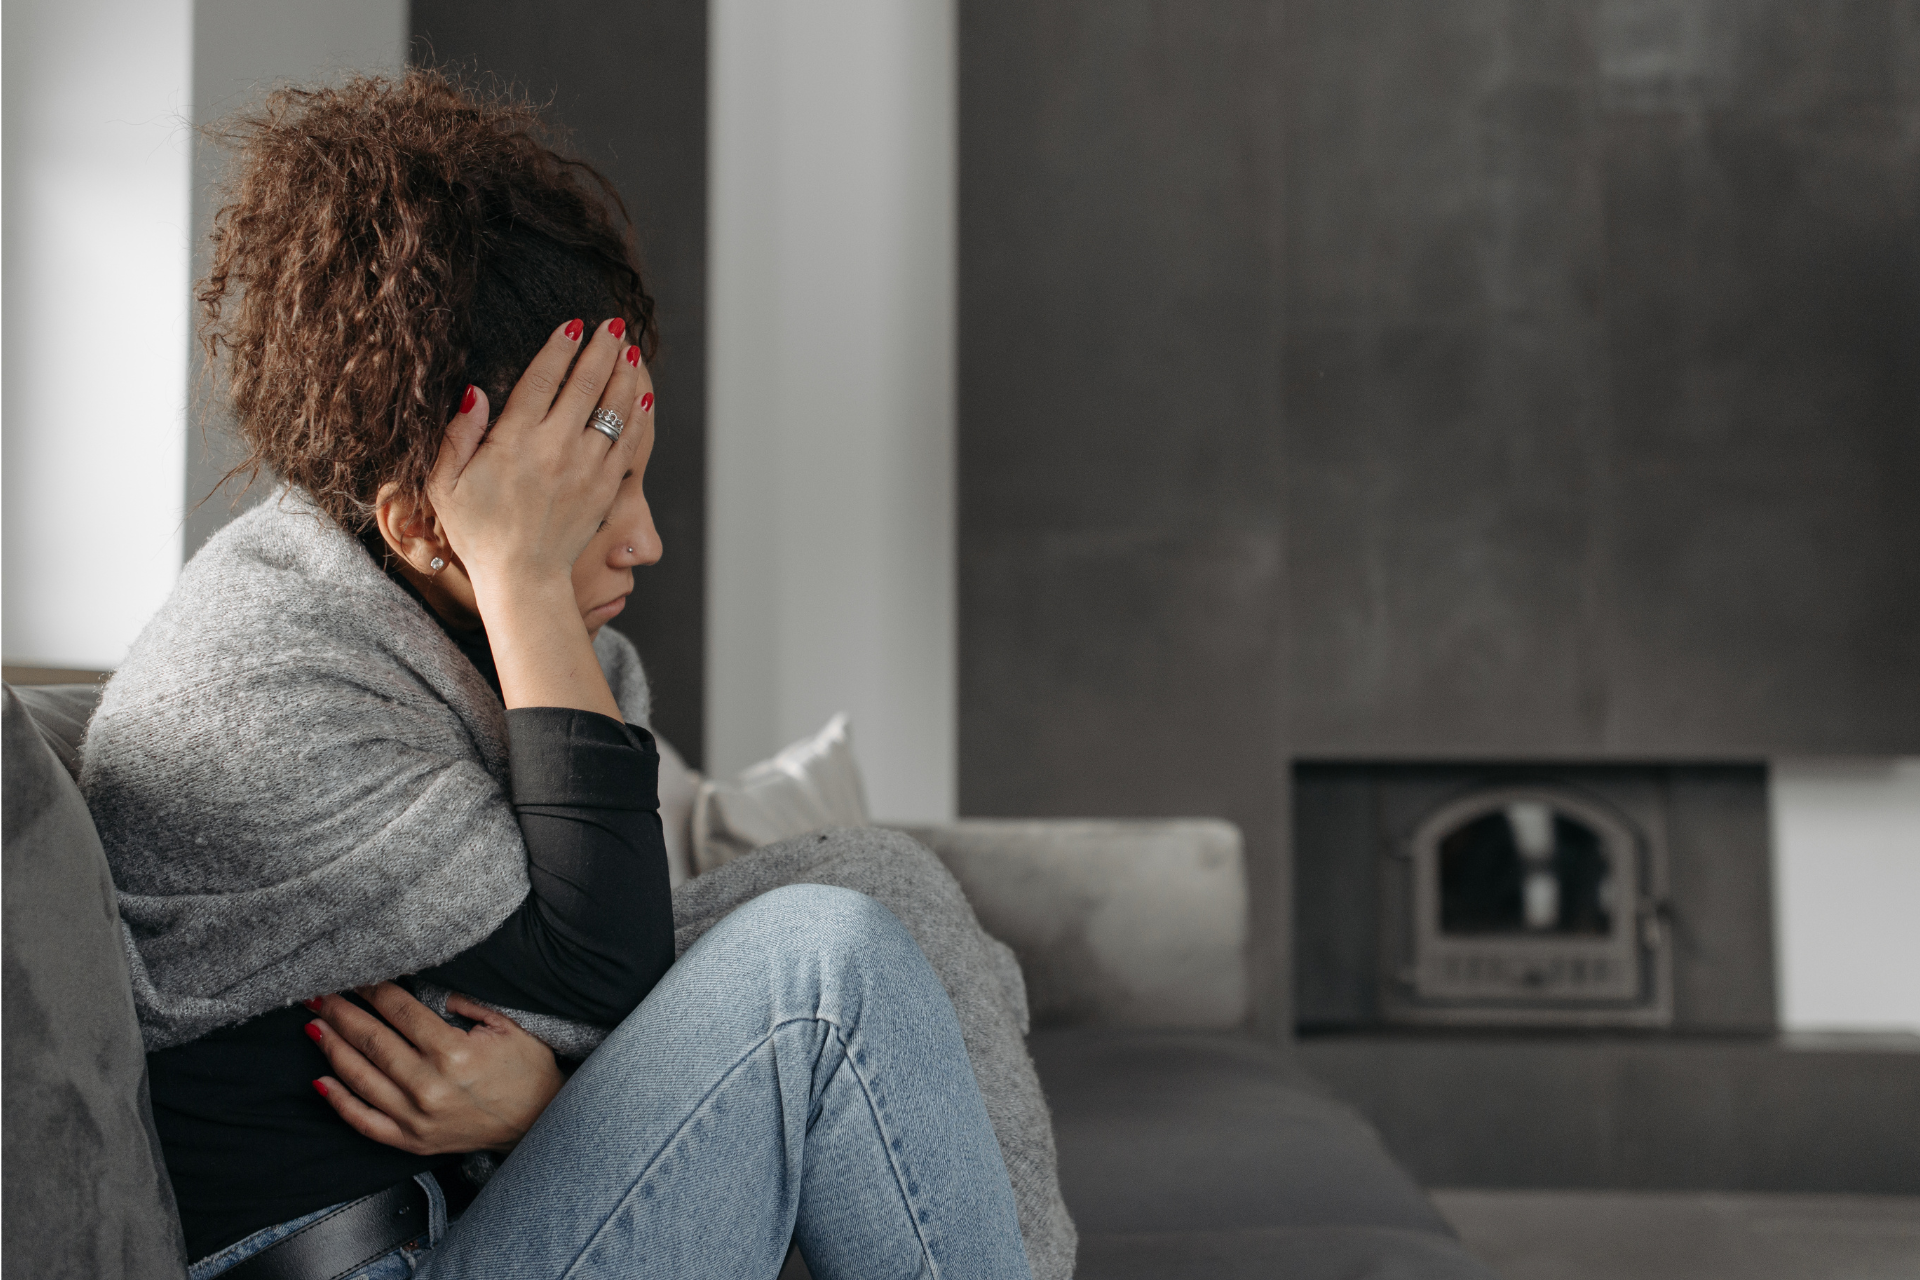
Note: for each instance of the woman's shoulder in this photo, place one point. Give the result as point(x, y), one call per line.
point(278, 554)
point(280, 599)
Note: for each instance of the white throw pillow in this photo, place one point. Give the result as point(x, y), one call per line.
point(812, 785)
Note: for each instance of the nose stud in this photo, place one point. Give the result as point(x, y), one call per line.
point(629, 550)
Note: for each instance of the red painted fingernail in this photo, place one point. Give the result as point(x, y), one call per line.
point(314, 1004)
point(314, 1033)
point(646, 402)
point(320, 1087)
point(633, 356)
point(466, 401)
point(574, 329)
point(617, 327)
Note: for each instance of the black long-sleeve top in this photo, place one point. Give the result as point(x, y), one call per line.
point(248, 1141)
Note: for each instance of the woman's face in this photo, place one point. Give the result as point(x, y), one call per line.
point(603, 575)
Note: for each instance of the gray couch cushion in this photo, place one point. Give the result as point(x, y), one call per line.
point(86, 1193)
point(61, 712)
point(1197, 1153)
point(1134, 923)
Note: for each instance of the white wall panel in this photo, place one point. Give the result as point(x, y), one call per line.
point(830, 553)
point(1847, 881)
point(106, 213)
point(95, 333)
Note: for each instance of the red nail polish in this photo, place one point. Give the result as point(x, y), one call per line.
point(314, 1004)
point(633, 356)
point(574, 329)
point(314, 1033)
point(466, 401)
point(320, 1087)
point(617, 327)
point(646, 402)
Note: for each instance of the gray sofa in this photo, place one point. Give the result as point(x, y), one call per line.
point(1186, 1148)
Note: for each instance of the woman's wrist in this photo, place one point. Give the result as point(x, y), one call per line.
point(499, 591)
point(504, 580)
point(541, 649)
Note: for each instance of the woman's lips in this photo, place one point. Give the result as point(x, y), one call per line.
point(604, 612)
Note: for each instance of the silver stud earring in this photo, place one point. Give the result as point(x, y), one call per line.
point(436, 564)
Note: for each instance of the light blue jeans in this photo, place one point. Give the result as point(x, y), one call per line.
point(797, 1075)
point(397, 1265)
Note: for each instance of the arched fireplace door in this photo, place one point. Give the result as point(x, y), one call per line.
point(1527, 905)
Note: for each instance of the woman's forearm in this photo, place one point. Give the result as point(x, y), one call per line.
point(540, 644)
point(596, 932)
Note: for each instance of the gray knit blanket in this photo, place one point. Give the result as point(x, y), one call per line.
point(301, 786)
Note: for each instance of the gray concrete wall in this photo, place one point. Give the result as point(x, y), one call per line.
point(1121, 530)
point(1395, 380)
point(629, 80)
point(1601, 392)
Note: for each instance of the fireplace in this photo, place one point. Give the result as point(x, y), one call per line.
point(1526, 905)
point(1502, 896)
point(1562, 974)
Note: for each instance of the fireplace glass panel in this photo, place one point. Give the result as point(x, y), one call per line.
point(1526, 868)
point(1526, 902)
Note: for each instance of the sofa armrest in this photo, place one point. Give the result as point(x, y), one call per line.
point(1116, 923)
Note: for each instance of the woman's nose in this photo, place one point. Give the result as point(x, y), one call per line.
point(641, 543)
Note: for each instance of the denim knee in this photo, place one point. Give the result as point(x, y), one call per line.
point(837, 927)
point(829, 915)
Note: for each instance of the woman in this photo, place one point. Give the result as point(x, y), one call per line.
point(380, 730)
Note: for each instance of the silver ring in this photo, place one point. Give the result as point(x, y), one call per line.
point(607, 423)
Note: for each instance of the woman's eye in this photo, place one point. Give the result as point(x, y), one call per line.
point(603, 524)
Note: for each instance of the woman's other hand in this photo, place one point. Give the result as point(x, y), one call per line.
point(417, 1083)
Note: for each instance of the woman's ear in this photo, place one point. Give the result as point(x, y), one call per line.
point(411, 532)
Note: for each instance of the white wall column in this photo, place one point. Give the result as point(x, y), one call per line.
point(830, 543)
point(95, 333)
point(106, 214)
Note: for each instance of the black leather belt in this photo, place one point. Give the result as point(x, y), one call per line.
point(350, 1237)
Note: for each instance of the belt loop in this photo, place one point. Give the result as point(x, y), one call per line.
point(436, 1207)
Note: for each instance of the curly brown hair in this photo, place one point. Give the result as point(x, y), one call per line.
point(382, 244)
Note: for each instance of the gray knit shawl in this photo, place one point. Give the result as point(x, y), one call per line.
point(301, 782)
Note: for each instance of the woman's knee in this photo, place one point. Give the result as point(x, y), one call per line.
point(828, 920)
